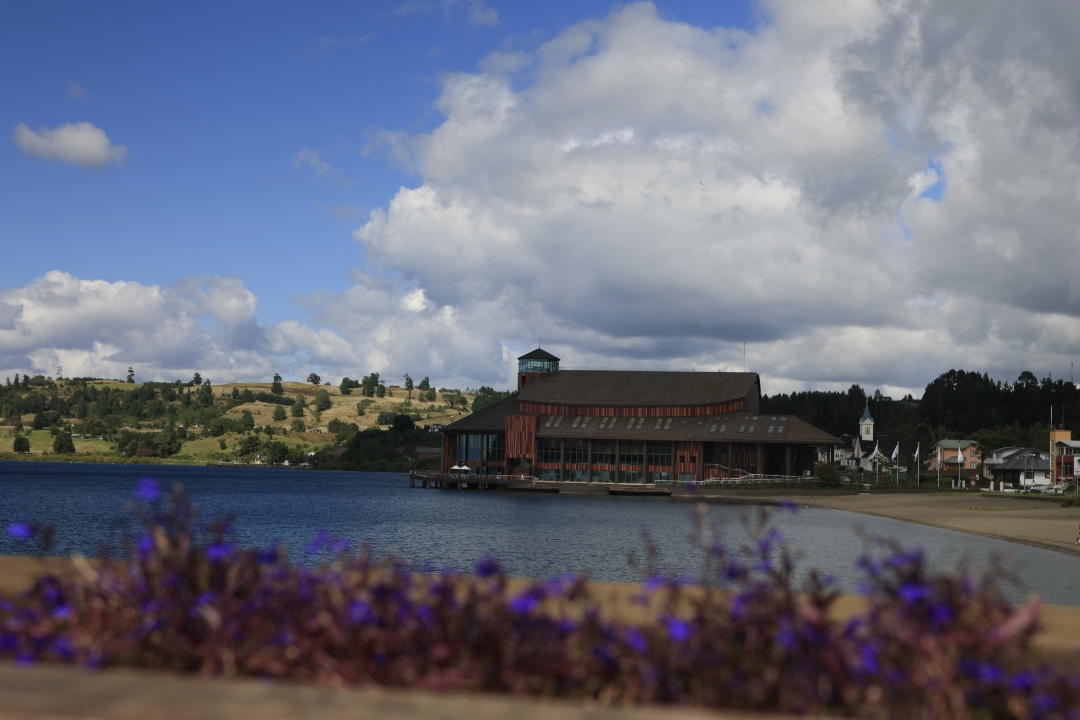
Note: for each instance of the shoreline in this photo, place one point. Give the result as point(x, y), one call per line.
point(1007, 519)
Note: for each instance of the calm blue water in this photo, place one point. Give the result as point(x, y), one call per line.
point(533, 535)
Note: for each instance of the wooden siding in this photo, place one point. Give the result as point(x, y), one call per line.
point(521, 436)
point(687, 450)
point(649, 412)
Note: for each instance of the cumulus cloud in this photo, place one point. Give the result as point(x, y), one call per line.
point(861, 191)
point(80, 143)
point(869, 192)
point(98, 328)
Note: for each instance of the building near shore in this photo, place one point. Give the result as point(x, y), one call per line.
point(626, 426)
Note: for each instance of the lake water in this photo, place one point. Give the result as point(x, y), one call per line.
point(533, 535)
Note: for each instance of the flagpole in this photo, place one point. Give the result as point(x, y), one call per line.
point(960, 464)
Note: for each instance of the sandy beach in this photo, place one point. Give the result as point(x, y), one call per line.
point(1032, 522)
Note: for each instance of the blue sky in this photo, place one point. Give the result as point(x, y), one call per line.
point(213, 102)
point(860, 192)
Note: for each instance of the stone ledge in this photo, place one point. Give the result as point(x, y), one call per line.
point(69, 693)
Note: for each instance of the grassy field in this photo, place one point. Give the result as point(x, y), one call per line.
point(200, 449)
point(344, 407)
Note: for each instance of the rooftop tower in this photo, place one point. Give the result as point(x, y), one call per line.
point(534, 364)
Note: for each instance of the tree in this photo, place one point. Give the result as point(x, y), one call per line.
point(221, 444)
point(408, 388)
point(63, 443)
point(346, 386)
point(369, 385)
point(380, 390)
point(130, 377)
point(276, 388)
point(248, 420)
point(277, 378)
point(298, 407)
point(279, 413)
point(402, 423)
point(196, 381)
point(298, 425)
point(21, 444)
point(313, 379)
point(425, 384)
point(248, 445)
point(322, 401)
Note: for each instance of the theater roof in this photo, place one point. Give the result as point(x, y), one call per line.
point(489, 419)
point(639, 388)
point(730, 427)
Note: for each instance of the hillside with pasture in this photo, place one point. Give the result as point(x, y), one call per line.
point(196, 421)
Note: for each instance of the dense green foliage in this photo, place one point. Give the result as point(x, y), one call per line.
point(486, 396)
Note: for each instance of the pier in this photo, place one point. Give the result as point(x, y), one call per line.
point(526, 483)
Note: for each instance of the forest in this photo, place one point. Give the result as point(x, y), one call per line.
point(956, 404)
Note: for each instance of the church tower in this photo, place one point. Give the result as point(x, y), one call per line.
point(866, 426)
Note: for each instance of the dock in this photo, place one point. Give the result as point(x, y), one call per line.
point(524, 483)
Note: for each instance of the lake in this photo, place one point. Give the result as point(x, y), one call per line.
point(533, 535)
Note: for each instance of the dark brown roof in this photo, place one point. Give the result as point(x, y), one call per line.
point(730, 427)
point(639, 388)
point(489, 419)
point(538, 354)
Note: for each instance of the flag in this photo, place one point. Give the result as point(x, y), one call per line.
point(874, 454)
point(939, 456)
point(896, 452)
point(917, 454)
point(959, 454)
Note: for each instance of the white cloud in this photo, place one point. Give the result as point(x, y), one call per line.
point(78, 143)
point(640, 192)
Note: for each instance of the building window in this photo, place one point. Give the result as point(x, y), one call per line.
point(682, 458)
point(667, 423)
point(751, 429)
point(603, 452)
point(548, 450)
point(660, 454)
point(693, 459)
point(577, 451)
point(771, 429)
point(632, 453)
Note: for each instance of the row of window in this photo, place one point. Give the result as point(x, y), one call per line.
point(582, 422)
point(603, 452)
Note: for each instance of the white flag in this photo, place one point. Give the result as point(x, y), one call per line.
point(896, 452)
point(939, 455)
point(874, 454)
point(917, 453)
point(959, 454)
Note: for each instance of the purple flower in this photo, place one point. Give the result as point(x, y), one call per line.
point(488, 567)
point(786, 637)
point(267, 556)
point(220, 551)
point(323, 539)
point(524, 603)
point(21, 530)
point(148, 490)
point(912, 593)
point(869, 660)
point(636, 640)
point(679, 630)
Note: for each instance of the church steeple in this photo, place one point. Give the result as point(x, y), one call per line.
point(866, 425)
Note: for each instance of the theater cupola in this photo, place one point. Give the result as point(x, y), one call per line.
point(534, 364)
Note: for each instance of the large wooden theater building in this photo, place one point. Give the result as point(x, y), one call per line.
point(621, 426)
